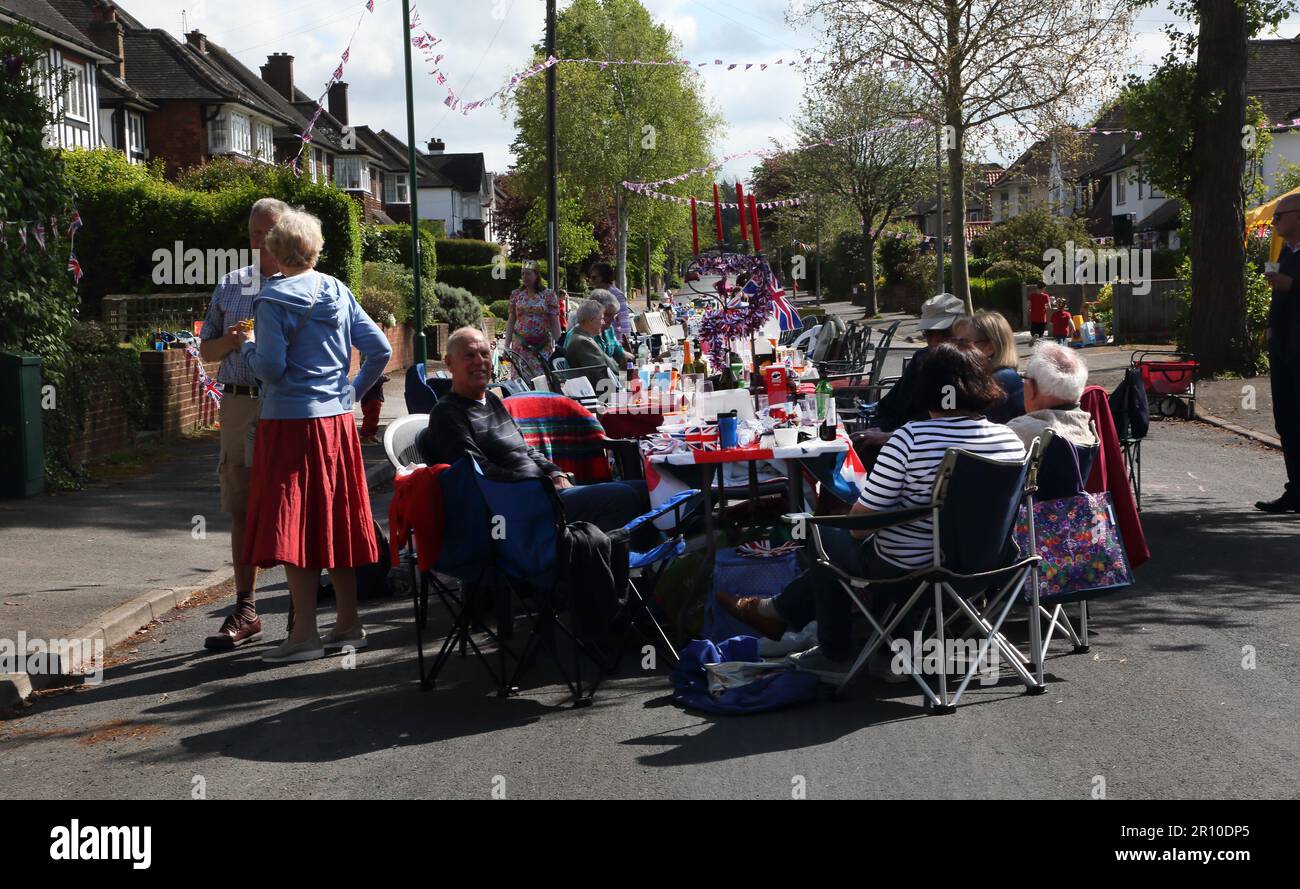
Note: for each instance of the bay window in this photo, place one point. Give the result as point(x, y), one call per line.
point(352, 174)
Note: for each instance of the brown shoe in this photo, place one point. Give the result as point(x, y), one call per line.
point(236, 630)
point(745, 609)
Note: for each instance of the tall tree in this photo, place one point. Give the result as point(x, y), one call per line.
point(1202, 140)
point(617, 123)
point(980, 61)
point(873, 159)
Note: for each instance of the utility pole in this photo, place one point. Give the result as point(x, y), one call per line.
point(818, 207)
point(938, 191)
point(552, 161)
point(413, 190)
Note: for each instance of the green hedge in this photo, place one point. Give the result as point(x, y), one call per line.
point(392, 243)
point(478, 279)
point(465, 251)
point(130, 212)
point(1000, 295)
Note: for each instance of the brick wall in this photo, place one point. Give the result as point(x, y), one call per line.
point(402, 339)
point(105, 430)
point(398, 212)
point(176, 133)
point(370, 205)
point(176, 403)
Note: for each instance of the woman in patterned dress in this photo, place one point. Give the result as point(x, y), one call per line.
point(534, 325)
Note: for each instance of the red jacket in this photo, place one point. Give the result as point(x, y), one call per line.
point(417, 507)
point(1109, 474)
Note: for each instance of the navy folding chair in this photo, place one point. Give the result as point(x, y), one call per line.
point(973, 509)
point(421, 391)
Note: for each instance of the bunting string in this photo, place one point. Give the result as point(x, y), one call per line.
point(207, 385)
point(35, 230)
point(306, 135)
point(770, 152)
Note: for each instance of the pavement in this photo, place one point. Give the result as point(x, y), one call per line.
point(1187, 691)
point(1161, 707)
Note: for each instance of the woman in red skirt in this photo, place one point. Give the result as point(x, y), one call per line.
point(308, 506)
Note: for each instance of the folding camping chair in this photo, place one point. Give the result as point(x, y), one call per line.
point(422, 391)
point(973, 510)
point(1132, 414)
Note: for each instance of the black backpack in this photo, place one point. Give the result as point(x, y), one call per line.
point(1128, 405)
point(372, 580)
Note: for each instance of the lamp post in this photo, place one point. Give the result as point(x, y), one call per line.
point(413, 190)
point(938, 190)
point(552, 162)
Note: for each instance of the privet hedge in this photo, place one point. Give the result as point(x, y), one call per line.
point(465, 251)
point(392, 243)
point(131, 211)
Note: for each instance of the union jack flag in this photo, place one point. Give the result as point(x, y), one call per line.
point(703, 437)
point(211, 388)
point(763, 549)
point(785, 313)
point(74, 266)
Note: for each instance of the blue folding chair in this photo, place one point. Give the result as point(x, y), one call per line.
point(973, 508)
point(421, 391)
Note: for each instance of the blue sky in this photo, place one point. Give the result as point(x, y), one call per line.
point(487, 40)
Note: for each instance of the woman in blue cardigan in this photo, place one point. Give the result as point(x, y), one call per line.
point(308, 506)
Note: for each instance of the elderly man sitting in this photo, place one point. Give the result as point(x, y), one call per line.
point(583, 347)
point(470, 420)
point(1054, 380)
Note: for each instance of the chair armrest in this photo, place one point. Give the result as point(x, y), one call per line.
point(627, 456)
point(678, 503)
point(871, 521)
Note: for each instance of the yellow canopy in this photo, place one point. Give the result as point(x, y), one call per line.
point(1263, 216)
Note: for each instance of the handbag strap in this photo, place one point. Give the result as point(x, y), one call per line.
point(315, 294)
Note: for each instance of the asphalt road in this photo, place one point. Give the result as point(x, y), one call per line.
point(1161, 706)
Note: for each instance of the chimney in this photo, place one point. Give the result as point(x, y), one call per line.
point(338, 102)
point(278, 73)
point(437, 146)
point(107, 32)
point(197, 40)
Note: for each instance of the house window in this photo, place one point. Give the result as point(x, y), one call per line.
point(230, 133)
point(265, 141)
point(75, 104)
point(352, 174)
point(395, 189)
point(1121, 188)
point(1022, 199)
point(135, 135)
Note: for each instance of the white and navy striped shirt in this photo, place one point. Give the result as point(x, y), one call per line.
point(905, 471)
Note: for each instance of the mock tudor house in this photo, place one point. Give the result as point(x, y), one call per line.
point(73, 61)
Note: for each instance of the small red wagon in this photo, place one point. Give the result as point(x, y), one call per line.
point(1170, 381)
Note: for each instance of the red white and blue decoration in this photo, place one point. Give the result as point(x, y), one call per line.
point(207, 385)
point(763, 549)
point(702, 437)
point(786, 316)
point(306, 136)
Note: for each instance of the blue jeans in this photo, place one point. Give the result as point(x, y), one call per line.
point(816, 594)
point(608, 505)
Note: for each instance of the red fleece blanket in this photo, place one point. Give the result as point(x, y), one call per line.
point(1110, 474)
point(564, 431)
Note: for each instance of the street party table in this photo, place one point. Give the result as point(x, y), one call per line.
point(711, 461)
point(629, 423)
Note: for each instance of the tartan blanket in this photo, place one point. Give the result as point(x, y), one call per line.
point(565, 432)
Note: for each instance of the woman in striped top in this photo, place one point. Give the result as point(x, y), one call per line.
point(957, 389)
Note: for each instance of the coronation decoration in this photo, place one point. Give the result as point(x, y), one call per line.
point(305, 136)
point(743, 314)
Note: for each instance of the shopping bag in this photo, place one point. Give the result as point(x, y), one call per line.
point(1080, 546)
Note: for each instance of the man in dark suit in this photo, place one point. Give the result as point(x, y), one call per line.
point(1284, 350)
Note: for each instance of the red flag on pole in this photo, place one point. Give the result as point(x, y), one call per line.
point(717, 212)
point(740, 206)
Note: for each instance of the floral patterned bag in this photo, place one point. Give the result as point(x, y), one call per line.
point(1081, 548)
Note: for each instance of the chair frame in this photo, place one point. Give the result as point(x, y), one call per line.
point(939, 580)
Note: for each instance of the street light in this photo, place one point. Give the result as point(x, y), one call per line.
point(413, 190)
point(552, 163)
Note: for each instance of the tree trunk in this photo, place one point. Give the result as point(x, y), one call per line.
point(956, 162)
point(1217, 331)
point(870, 244)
